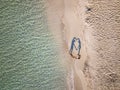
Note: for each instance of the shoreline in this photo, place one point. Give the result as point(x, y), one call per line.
point(65, 23)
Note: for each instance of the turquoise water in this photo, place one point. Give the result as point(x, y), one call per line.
point(28, 52)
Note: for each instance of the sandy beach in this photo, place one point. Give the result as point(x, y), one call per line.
point(81, 19)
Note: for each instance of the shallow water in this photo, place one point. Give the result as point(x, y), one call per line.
point(29, 59)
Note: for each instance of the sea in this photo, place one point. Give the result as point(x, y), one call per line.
point(29, 58)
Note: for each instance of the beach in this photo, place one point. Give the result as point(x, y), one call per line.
point(87, 20)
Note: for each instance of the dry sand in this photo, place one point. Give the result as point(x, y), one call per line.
point(97, 24)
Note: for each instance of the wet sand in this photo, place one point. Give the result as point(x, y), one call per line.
point(65, 23)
